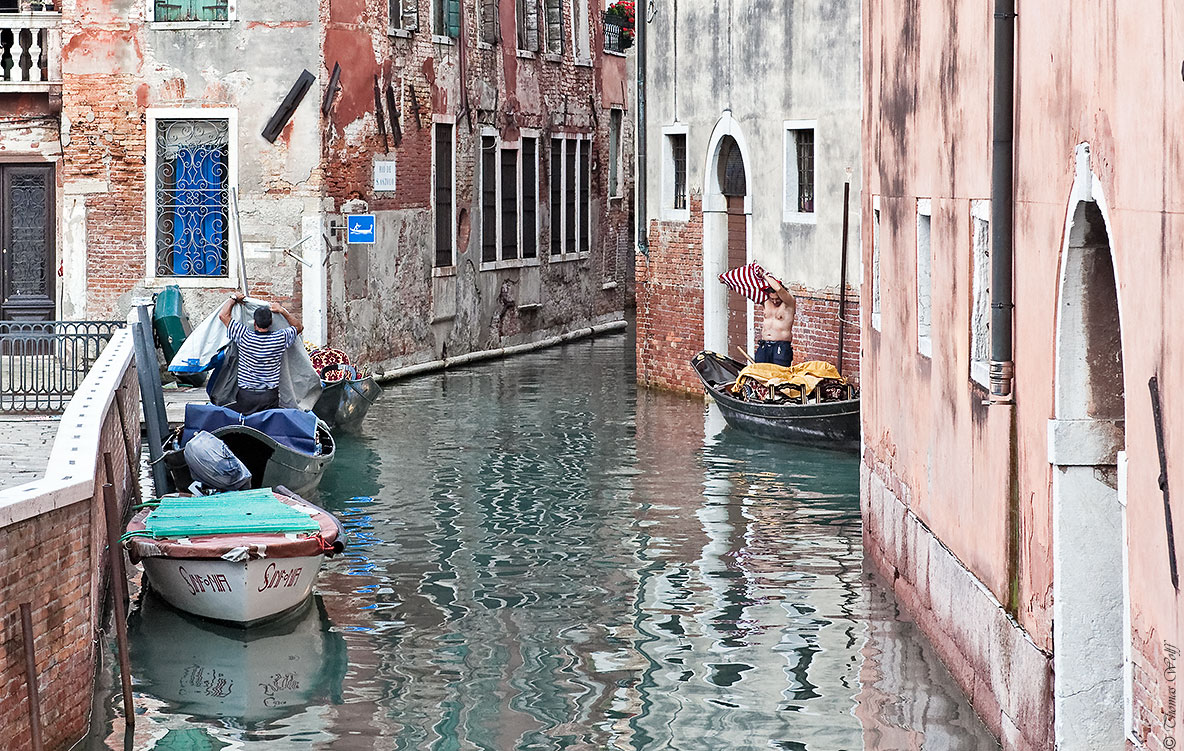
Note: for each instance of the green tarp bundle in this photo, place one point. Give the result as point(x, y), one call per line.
point(239, 512)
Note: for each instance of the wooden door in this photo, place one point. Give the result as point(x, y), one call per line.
point(27, 247)
point(737, 256)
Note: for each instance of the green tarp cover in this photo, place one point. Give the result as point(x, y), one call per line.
point(239, 512)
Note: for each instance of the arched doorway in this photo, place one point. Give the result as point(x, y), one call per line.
point(727, 213)
point(1086, 441)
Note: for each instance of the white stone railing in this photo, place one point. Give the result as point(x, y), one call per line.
point(30, 51)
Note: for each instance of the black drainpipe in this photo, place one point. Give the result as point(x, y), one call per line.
point(640, 210)
point(1002, 192)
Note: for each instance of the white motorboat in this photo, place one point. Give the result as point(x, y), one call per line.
point(240, 557)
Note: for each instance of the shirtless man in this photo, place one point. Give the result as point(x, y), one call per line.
point(777, 329)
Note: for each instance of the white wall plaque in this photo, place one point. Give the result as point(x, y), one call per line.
point(384, 175)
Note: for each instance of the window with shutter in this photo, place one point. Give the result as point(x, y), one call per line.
point(443, 194)
point(585, 196)
point(554, 13)
point(528, 25)
point(556, 206)
point(489, 22)
point(408, 14)
point(509, 199)
point(488, 199)
point(530, 197)
point(453, 18)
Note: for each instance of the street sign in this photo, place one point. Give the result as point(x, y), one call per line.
point(359, 229)
point(384, 175)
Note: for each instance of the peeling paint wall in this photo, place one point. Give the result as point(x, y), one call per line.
point(116, 65)
point(929, 440)
point(387, 303)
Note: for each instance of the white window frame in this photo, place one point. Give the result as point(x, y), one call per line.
point(398, 29)
point(980, 283)
point(581, 33)
point(444, 270)
point(575, 253)
point(789, 211)
point(877, 284)
point(615, 155)
point(924, 288)
point(153, 114)
point(231, 17)
point(499, 147)
point(669, 213)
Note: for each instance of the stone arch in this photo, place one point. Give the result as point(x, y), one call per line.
point(727, 211)
point(1086, 442)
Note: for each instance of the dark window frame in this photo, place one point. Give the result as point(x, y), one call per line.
point(445, 210)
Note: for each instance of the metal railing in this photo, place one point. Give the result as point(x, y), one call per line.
point(616, 38)
point(30, 51)
point(42, 363)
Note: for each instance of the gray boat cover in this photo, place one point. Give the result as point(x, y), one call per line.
point(213, 464)
point(300, 385)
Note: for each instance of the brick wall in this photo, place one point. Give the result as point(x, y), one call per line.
point(670, 310)
point(55, 561)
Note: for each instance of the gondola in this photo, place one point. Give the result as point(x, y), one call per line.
point(289, 448)
point(344, 403)
point(828, 424)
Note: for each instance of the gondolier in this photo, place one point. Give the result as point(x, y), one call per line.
point(261, 353)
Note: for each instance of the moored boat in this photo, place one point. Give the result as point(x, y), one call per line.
point(240, 557)
point(344, 403)
point(832, 424)
point(284, 447)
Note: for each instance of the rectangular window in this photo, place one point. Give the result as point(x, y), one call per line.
point(924, 281)
point(570, 186)
point(530, 198)
point(190, 187)
point(509, 199)
point(876, 262)
point(404, 14)
point(490, 29)
point(554, 19)
point(615, 117)
point(442, 191)
point(677, 143)
point(980, 311)
point(446, 18)
point(527, 13)
point(799, 171)
point(191, 10)
point(585, 196)
point(579, 30)
point(488, 199)
point(556, 206)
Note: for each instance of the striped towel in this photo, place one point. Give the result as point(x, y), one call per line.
point(747, 280)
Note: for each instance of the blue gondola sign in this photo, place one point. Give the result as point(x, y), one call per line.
point(359, 229)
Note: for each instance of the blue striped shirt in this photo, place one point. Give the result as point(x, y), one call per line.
point(259, 354)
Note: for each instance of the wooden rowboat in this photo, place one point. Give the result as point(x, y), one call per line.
point(829, 424)
point(233, 568)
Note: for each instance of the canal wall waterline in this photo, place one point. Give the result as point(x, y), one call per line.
point(491, 354)
point(53, 553)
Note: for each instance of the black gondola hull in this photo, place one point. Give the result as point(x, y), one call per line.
point(830, 424)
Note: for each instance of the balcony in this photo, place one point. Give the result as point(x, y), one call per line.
point(617, 38)
point(30, 51)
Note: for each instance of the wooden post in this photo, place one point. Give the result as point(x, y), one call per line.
point(843, 273)
point(31, 677)
point(119, 590)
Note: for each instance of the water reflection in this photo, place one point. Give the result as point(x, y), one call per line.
point(543, 557)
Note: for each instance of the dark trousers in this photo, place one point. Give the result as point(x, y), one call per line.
point(250, 401)
point(778, 353)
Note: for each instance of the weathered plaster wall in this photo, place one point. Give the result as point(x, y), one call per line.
point(1116, 88)
point(764, 63)
point(387, 303)
point(116, 65)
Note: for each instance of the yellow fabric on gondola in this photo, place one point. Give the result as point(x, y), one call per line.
point(804, 375)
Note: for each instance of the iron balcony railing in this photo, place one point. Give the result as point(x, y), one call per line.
point(42, 363)
point(30, 50)
point(616, 38)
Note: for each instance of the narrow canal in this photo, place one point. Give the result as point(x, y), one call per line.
point(544, 557)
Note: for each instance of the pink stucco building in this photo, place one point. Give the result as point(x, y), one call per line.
point(1026, 529)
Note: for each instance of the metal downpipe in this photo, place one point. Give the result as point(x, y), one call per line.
point(640, 210)
point(1002, 367)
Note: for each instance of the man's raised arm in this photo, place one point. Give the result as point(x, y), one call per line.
point(224, 313)
point(290, 317)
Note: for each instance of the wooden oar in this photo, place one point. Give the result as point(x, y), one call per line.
point(746, 355)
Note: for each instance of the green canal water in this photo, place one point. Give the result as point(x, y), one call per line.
point(543, 556)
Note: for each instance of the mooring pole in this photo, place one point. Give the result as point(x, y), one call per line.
point(119, 591)
point(843, 272)
point(31, 677)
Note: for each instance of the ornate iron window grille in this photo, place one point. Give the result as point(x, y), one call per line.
point(192, 189)
point(616, 39)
